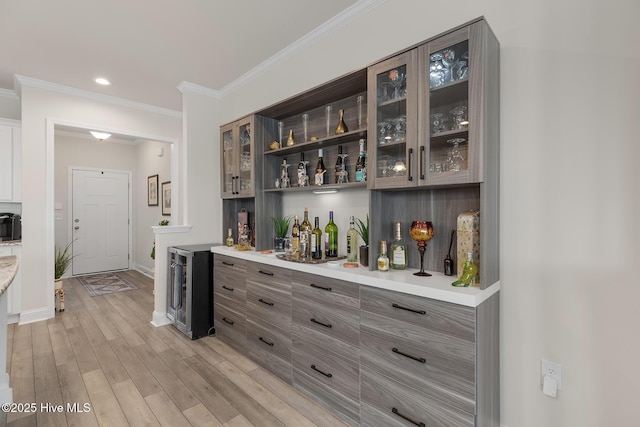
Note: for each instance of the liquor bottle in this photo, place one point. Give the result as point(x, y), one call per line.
point(320, 169)
point(361, 164)
point(469, 272)
point(352, 242)
point(229, 238)
point(339, 164)
point(316, 240)
point(331, 241)
point(306, 225)
point(295, 235)
point(398, 251)
point(383, 259)
point(303, 178)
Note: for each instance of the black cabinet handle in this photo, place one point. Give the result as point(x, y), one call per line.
point(313, 285)
point(394, 305)
point(421, 161)
point(265, 302)
point(417, 359)
point(265, 341)
point(265, 272)
point(230, 264)
point(417, 423)
point(227, 288)
point(323, 373)
point(231, 322)
point(409, 163)
point(326, 325)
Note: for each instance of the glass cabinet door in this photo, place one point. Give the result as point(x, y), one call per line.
point(447, 70)
point(244, 184)
point(228, 155)
point(392, 107)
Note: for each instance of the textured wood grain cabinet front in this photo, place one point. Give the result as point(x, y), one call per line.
point(229, 300)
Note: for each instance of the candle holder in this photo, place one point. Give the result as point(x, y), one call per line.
point(421, 232)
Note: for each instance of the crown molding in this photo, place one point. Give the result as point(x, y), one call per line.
point(55, 87)
point(201, 90)
point(331, 26)
point(8, 93)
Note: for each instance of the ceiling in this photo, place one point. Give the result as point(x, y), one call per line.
point(146, 48)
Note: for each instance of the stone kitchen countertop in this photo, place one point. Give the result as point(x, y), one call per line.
point(8, 269)
point(438, 286)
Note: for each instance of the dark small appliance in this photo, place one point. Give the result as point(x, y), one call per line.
point(190, 289)
point(10, 227)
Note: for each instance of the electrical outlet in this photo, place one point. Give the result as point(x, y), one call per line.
point(551, 369)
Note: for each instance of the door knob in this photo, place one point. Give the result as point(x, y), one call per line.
point(77, 227)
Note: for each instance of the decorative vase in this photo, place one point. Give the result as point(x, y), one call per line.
point(364, 255)
point(342, 126)
point(290, 140)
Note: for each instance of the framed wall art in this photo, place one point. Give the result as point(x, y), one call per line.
point(152, 190)
point(166, 198)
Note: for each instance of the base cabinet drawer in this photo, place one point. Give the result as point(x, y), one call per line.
point(270, 347)
point(387, 403)
point(230, 326)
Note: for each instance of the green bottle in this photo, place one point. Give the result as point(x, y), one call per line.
point(316, 240)
point(331, 242)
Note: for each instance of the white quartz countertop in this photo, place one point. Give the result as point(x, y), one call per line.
point(8, 269)
point(438, 286)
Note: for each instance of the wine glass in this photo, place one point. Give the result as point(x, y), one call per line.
point(421, 232)
point(343, 174)
point(457, 160)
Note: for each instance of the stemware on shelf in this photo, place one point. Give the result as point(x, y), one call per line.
point(305, 127)
point(327, 113)
point(360, 103)
point(456, 156)
point(459, 114)
point(421, 232)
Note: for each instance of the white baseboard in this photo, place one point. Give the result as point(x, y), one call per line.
point(36, 315)
point(144, 270)
point(160, 319)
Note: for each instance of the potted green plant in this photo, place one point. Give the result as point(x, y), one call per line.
point(62, 263)
point(281, 227)
point(363, 232)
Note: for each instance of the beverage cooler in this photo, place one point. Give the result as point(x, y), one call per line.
point(190, 289)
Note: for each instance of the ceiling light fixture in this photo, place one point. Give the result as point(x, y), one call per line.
point(102, 81)
point(328, 190)
point(100, 136)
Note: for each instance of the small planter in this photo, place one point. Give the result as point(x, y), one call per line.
point(364, 255)
point(278, 244)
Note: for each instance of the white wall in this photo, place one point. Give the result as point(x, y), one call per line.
point(9, 105)
point(569, 234)
point(41, 109)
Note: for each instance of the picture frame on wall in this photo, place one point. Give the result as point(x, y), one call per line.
point(166, 198)
point(152, 190)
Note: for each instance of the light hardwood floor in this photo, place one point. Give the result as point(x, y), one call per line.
point(102, 351)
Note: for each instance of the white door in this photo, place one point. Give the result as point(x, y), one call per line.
point(100, 221)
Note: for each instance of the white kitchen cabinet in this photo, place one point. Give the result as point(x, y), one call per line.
point(14, 292)
point(10, 161)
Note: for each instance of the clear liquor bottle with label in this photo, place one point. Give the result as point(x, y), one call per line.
point(383, 259)
point(398, 254)
point(361, 164)
point(295, 235)
point(229, 237)
point(306, 224)
point(352, 242)
point(316, 240)
point(331, 241)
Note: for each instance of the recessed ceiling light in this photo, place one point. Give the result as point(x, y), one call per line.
point(100, 136)
point(102, 81)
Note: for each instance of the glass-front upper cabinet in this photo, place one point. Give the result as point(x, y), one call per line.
point(451, 113)
point(237, 159)
point(392, 111)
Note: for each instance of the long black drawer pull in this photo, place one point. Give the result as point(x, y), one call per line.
point(265, 302)
point(419, 424)
point(265, 272)
point(323, 373)
point(313, 285)
point(231, 322)
point(417, 359)
point(326, 325)
point(394, 305)
point(265, 341)
point(227, 288)
point(230, 264)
